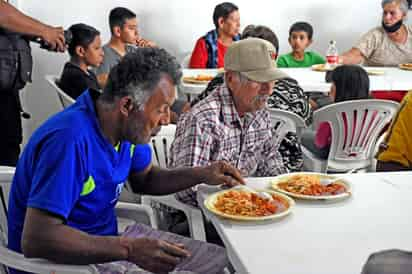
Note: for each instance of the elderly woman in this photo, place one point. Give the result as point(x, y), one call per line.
point(387, 45)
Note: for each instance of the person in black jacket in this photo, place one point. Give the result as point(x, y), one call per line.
point(85, 51)
point(15, 71)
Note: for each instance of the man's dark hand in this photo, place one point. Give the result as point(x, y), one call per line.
point(54, 36)
point(155, 255)
point(222, 173)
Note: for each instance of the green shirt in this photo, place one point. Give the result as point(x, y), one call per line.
point(310, 58)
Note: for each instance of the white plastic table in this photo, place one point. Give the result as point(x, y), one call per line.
point(323, 237)
point(310, 80)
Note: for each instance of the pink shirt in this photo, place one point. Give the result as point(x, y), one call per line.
point(323, 135)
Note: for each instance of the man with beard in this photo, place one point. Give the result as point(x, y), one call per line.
point(387, 45)
point(233, 123)
point(72, 170)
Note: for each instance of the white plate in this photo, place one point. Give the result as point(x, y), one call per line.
point(211, 200)
point(283, 178)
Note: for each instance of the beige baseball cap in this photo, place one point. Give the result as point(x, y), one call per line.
point(254, 58)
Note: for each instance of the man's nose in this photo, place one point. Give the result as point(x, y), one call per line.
point(387, 16)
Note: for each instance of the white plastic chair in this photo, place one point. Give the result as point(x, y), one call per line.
point(9, 258)
point(381, 139)
point(186, 60)
point(160, 150)
point(287, 121)
point(355, 129)
point(65, 99)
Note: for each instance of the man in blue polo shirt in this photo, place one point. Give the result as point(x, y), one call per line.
point(71, 172)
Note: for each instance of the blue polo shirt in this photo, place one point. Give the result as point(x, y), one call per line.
point(70, 169)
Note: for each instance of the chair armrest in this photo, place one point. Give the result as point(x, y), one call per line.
point(193, 214)
point(18, 261)
point(136, 212)
point(168, 200)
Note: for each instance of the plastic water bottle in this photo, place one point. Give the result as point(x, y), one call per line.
point(332, 55)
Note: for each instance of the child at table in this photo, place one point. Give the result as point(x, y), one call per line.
point(349, 82)
point(85, 50)
point(300, 38)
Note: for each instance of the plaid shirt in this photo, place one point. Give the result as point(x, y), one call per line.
point(213, 131)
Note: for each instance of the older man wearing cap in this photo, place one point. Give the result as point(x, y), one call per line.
point(232, 123)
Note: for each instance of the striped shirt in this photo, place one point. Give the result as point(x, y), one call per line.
point(212, 130)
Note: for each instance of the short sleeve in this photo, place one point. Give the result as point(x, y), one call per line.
point(282, 62)
point(58, 175)
point(318, 59)
point(368, 43)
point(142, 157)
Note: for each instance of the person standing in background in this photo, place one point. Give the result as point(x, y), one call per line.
point(15, 71)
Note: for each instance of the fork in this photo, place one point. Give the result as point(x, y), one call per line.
point(328, 181)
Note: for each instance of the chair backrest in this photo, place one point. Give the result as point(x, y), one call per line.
point(355, 125)
point(6, 177)
point(64, 99)
point(186, 60)
point(287, 121)
point(16, 260)
point(161, 145)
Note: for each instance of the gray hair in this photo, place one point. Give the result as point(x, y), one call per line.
point(403, 4)
point(138, 74)
point(242, 79)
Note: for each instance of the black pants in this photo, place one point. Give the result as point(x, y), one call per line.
point(9, 154)
point(11, 133)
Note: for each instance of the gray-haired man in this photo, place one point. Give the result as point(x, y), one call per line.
point(69, 177)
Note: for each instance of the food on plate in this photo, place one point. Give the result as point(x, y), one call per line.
point(375, 72)
point(200, 78)
point(322, 67)
point(307, 184)
point(407, 66)
point(243, 203)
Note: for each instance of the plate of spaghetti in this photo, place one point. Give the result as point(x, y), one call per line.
point(249, 206)
point(307, 185)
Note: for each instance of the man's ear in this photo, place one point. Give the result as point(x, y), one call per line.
point(80, 51)
point(310, 42)
point(220, 22)
point(231, 79)
point(126, 105)
point(117, 31)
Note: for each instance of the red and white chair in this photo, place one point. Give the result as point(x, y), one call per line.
point(356, 126)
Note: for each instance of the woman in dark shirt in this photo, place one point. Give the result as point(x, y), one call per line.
point(85, 51)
